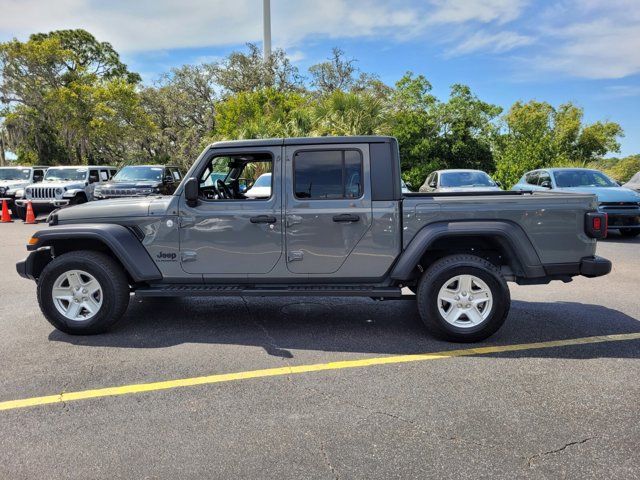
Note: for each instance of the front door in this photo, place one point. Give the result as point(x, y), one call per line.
point(328, 205)
point(228, 232)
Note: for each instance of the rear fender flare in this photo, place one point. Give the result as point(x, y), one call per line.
point(509, 235)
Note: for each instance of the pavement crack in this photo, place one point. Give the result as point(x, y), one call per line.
point(334, 472)
point(532, 458)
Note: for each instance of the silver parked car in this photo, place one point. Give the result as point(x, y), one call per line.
point(634, 183)
point(460, 180)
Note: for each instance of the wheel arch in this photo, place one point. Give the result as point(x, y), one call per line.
point(116, 240)
point(440, 239)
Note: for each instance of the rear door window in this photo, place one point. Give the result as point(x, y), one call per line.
point(328, 174)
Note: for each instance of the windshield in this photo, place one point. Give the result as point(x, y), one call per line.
point(582, 178)
point(263, 181)
point(15, 173)
point(69, 173)
point(135, 174)
point(466, 179)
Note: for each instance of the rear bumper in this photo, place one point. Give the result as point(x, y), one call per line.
point(618, 220)
point(594, 266)
point(590, 267)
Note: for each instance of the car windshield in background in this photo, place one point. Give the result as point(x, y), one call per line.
point(582, 178)
point(466, 179)
point(136, 174)
point(14, 173)
point(65, 174)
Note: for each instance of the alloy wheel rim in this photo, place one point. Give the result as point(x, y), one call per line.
point(77, 295)
point(465, 301)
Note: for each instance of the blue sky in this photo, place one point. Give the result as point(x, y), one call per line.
point(586, 51)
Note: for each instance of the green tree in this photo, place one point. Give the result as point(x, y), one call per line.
point(536, 135)
point(262, 114)
point(247, 72)
point(67, 98)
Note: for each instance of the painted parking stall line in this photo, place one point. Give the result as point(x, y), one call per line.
point(299, 369)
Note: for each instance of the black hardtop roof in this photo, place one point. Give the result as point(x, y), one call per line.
point(270, 142)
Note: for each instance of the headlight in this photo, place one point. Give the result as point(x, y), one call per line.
point(59, 191)
point(28, 190)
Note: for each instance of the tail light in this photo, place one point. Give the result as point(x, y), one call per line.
point(596, 224)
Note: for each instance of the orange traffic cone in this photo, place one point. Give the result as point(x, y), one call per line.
point(6, 217)
point(30, 217)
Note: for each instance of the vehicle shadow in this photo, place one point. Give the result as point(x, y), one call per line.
point(283, 325)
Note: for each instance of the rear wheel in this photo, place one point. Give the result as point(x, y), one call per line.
point(629, 232)
point(83, 292)
point(463, 298)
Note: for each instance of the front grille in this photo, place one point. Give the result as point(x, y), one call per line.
point(43, 192)
point(120, 192)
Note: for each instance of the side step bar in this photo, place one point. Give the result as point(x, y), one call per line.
point(187, 290)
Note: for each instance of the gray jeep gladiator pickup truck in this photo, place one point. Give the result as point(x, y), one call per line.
point(334, 222)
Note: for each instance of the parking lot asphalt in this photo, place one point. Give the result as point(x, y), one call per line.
point(559, 412)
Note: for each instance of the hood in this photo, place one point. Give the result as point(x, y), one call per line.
point(468, 189)
point(113, 208)
point(139, 184)
point(607, 194)
point(13, 183)
point(61, 184)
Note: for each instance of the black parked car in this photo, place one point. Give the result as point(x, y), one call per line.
point(141, 180)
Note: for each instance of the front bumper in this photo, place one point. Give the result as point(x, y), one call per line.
point(46, 202)
point(35, 262)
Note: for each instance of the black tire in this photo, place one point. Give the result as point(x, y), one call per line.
point(77, 200)
point(19, 212)
point(112, 280)
point(629, 232)
point(441, 272)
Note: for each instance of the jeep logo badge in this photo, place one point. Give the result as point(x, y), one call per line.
point(166, 257)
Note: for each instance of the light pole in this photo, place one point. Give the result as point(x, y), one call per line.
point(266, 25)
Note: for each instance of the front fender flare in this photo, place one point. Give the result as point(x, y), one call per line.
point(510, 236)
point(121, 241)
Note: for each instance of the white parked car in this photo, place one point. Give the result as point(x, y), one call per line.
point(459, 181)
point(261, 187)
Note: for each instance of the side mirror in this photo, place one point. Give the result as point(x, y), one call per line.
point(191, 188)
point(499, 183)
point(433, 185)
point(546, 184)
point(168, 179)
point(37, 178)
point(93, 178)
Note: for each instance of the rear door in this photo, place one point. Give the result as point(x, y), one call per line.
point(328, 205)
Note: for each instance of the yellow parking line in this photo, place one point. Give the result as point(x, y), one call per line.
point(274, 372)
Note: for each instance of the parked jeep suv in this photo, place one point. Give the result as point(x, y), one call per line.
point(334, 223)
point(13, 181)
point(64, 186)
point(621, 205)
point(140, 180)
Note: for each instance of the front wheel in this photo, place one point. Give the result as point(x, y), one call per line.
point(463, 298)
point(83, 292)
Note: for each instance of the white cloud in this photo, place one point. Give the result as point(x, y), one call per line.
point(499, 42)
point(594, 39)
point(148, 25)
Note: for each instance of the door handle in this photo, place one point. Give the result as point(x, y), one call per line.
point(263, 219)
point(346, 217)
